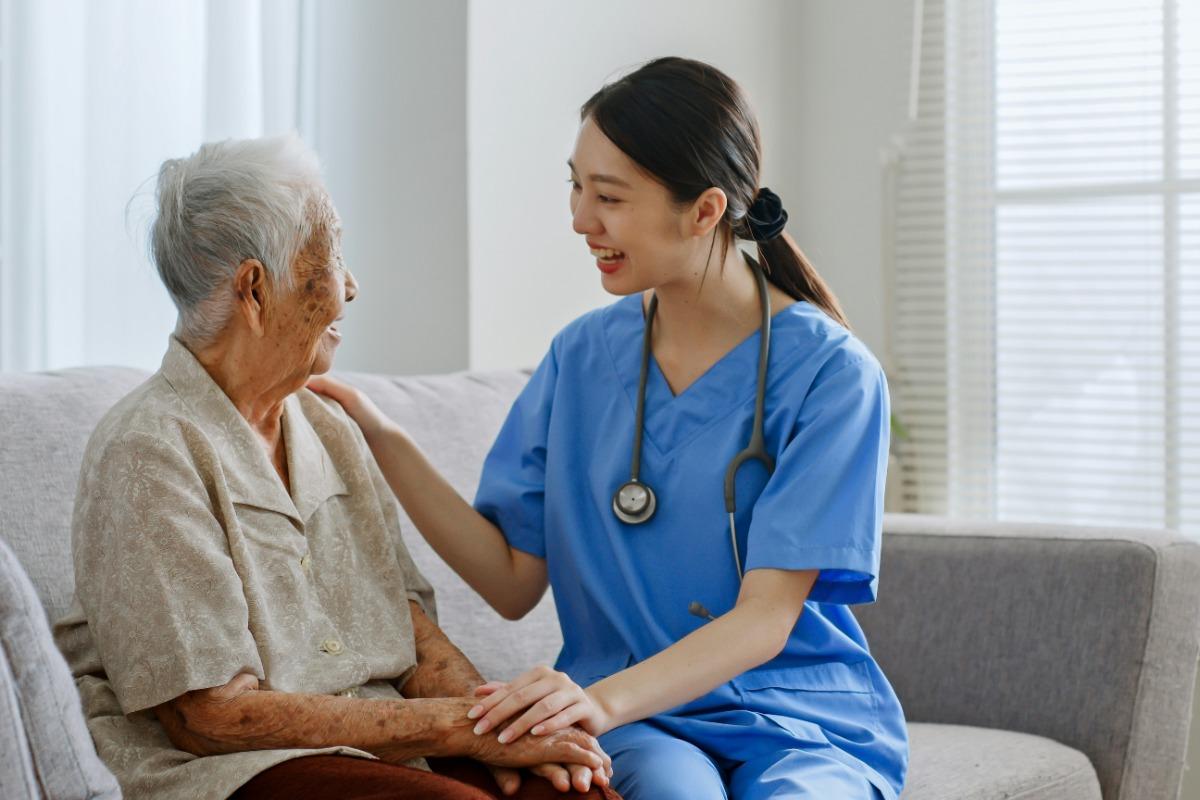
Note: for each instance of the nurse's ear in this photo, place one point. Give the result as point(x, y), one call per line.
point(706, 212)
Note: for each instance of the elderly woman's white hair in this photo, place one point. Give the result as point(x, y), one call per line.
point(228, 202)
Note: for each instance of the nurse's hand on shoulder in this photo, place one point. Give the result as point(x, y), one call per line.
point(549, 700)
point(360, 407)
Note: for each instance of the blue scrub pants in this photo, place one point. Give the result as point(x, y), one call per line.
point(651, 764)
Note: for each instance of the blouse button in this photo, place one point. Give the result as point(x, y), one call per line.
point(332, 646)
point(306, 562)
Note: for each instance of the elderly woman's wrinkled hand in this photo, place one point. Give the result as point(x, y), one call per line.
point(572, 747)
point(569, 747)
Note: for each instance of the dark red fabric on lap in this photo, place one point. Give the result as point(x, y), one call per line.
point(350, 778)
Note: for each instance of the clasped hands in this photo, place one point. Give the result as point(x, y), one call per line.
point(542, 702)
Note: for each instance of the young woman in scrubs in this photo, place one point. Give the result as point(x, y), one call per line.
point(706, 675)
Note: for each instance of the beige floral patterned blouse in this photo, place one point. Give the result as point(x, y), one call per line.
point(193, 563)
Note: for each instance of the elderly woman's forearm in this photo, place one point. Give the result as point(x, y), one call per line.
point(395, 730)
point(232, 719)
point(442, 669)
point(510, 581)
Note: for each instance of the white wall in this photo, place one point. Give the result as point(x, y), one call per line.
point(532, 64)
point(847, 96)
point(391, 131)
point(444, 128)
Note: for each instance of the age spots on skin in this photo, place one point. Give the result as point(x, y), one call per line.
point(313, 268)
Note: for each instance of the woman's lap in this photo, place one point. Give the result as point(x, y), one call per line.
point(652, 764)
point(351, 778)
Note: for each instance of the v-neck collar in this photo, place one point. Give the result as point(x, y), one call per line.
point(248, 472)
point(672, 420)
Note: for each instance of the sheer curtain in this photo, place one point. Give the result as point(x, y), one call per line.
point(95, 95)
point(1046, 263)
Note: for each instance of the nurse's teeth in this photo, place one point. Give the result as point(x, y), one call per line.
point(606, 253)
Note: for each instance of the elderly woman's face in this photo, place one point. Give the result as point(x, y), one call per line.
point(305, 327)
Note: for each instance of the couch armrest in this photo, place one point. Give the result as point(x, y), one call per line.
point(52, 754)
point(1088, 636)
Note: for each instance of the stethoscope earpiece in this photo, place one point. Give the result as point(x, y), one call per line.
point(634, 502)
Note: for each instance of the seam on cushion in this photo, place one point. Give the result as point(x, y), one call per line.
point(1055, 784)
point(1139, 695)
point(30, 778)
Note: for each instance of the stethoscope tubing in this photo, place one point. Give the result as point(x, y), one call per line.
point(755, 449)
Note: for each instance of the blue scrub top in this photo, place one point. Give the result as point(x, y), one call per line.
point(622, 591)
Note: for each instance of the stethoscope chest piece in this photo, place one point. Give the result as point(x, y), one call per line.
point(634, 502)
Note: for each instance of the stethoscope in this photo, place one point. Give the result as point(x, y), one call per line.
point(634, 502)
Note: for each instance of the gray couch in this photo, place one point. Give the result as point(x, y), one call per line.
point(1033, 661)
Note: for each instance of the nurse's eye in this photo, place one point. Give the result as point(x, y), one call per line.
point(575, 187)
point(603, 198)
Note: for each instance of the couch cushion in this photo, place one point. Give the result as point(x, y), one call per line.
point(44, 739)
point(454, 419)
point(47, 419)
point(956, 762)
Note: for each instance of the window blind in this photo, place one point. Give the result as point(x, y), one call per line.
point(1046, 263)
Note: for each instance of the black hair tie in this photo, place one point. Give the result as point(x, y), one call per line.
point(766, 217)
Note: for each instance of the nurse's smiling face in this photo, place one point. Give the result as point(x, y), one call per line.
point(640, 236)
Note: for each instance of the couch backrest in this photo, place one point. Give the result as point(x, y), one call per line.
point(455, 418)
point(46, 420)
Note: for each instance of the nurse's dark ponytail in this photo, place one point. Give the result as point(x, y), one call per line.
point(690, 127)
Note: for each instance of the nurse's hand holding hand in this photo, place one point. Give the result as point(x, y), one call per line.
point(360, 407)
point(753, 632)
point(550, 699)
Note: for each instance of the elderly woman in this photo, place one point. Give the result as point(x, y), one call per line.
point(247, 620)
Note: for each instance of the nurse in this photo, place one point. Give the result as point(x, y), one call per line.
point(707, 640)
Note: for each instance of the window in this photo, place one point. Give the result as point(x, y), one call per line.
point(1046, 263)
point(93, 98)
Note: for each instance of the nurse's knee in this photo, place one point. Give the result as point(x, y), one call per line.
point(666, 769)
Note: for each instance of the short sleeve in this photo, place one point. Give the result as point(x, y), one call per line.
point(154, 575)
point(822, 508)
point(512, 488)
